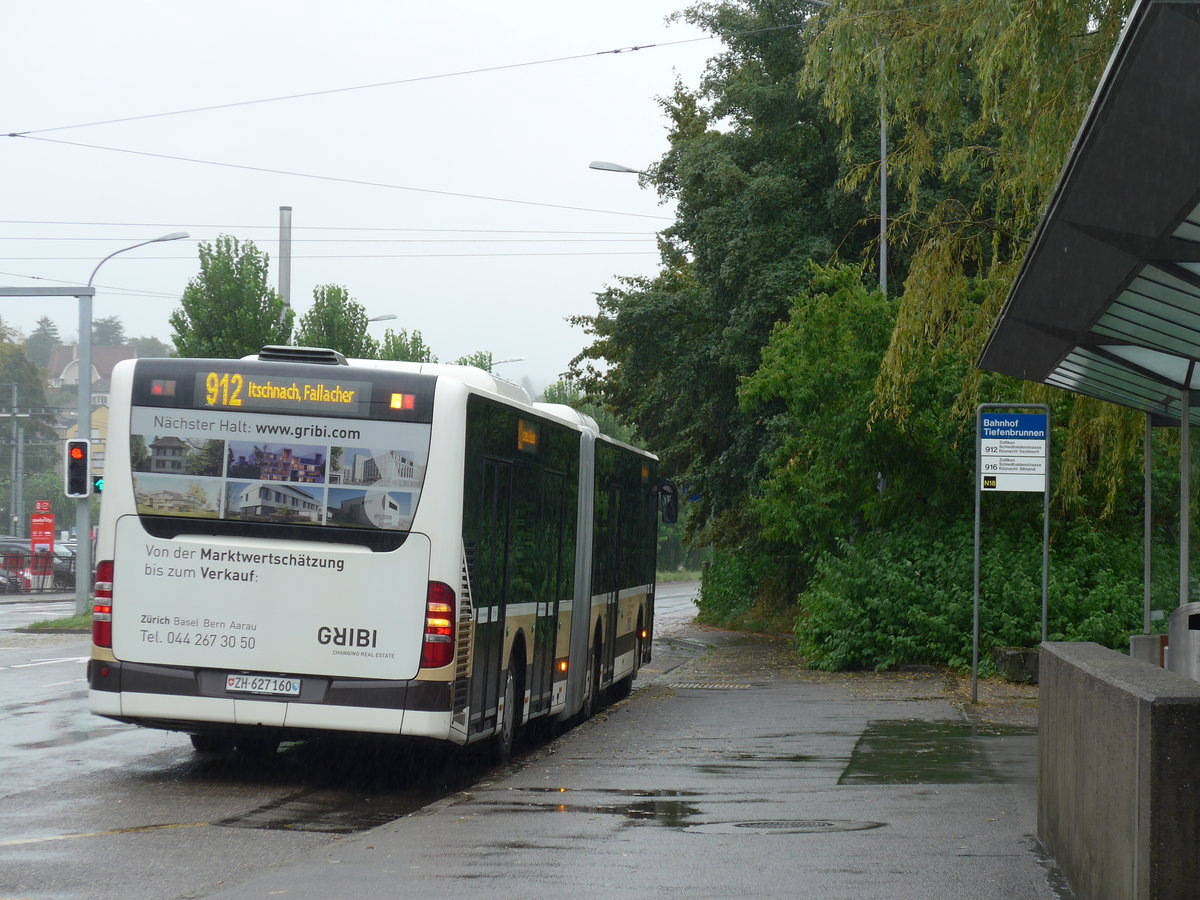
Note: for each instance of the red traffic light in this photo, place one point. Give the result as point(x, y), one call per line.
point(77, 469)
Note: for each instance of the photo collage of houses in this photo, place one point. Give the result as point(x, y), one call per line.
point(355, 487)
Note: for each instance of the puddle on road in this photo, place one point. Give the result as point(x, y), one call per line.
point(912, 751)
point(642, 807)
point(74, 736)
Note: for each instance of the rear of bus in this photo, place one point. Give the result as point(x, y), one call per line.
point(265, 566)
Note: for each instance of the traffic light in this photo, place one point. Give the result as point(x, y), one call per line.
point(97, 484)
point(77, 466)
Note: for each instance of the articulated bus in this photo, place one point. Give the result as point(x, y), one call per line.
point(293, 544)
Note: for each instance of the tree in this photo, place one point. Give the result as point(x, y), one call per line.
point(337, 321)
point(108, 332)
point(43, 339)
point(229, 310)
point(151, 347)
point(753, 170)
point(480, 359)
point(38, 434)
point(405, 346)
point(568, 393)
point(986, 96)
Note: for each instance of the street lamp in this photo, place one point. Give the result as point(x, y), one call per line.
point(612, 167)
point(83, 509)
point(386, 317)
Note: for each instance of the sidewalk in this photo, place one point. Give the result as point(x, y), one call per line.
point(733, 772)
point(41, 596)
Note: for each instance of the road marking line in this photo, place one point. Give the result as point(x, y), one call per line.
point(48, 662)
point(88, 834)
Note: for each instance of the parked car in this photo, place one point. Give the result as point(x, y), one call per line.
point(64, 568)
point(17, 570)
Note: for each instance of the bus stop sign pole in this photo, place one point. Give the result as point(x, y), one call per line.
point(1012, 453)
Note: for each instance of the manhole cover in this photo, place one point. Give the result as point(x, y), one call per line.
point(784, 826)
point(709, 686)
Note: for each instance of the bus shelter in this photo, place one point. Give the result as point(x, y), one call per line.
point(1107, 301)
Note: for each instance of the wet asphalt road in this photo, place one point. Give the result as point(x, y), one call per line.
point(732, 773)
point(91, 808)
point(729, 772)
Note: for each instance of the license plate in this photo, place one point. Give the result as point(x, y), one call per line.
point(263, 684)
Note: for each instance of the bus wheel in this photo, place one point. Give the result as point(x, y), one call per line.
point(502, 740)
point(591, 690)
point(212, 743)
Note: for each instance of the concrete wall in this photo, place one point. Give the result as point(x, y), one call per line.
point(1119, 773)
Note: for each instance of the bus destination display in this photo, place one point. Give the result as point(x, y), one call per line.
point(245, 391)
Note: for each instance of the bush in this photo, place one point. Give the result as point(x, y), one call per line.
point(743, 589)
point(906, 596)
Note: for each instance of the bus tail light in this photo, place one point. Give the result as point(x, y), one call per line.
point(102, 607)
point(437, 649)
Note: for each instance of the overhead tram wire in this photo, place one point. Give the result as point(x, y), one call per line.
point(360, 256)
point(571, 240)
point(274, 227)
point(334, 179)
point(392, 83)
point(109, 290)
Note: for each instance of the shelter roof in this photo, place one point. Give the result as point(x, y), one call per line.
point(1107, 300)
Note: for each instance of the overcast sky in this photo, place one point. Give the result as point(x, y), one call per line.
point(468, 273)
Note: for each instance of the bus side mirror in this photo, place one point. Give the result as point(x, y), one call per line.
point(668, 500)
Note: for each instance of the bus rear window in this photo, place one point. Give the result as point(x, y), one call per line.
point(261, 467)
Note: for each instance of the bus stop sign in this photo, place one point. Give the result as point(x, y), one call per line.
point(1012, 451)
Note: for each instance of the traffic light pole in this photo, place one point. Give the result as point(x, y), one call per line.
point(83, 509)
point(83, 506)
point(83, 513)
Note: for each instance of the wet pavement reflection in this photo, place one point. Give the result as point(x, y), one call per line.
point(911, 751)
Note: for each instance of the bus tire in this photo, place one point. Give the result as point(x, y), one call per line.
point(502, 740)
point(591, 692)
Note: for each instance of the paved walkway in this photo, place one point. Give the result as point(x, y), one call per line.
point(733, 772)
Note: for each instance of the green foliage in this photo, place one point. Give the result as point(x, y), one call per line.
point(568, 393)
point(828, 431)
point(45, 485)
point(983, 101)
point(41, 341)
point(752, 169)
point(743, 589)
point(405, 346)
point(480, 359)
point(822, 466)
point(38, 434)
point(905, 596)
point(151, 347)
point(230, 310)
point(337, 321)
point(108, 332)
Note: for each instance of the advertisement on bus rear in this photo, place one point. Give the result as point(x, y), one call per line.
point(285, 607)
point(253, 602)
point(200, 464)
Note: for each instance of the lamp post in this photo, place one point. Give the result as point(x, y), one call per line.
point(83, 509)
